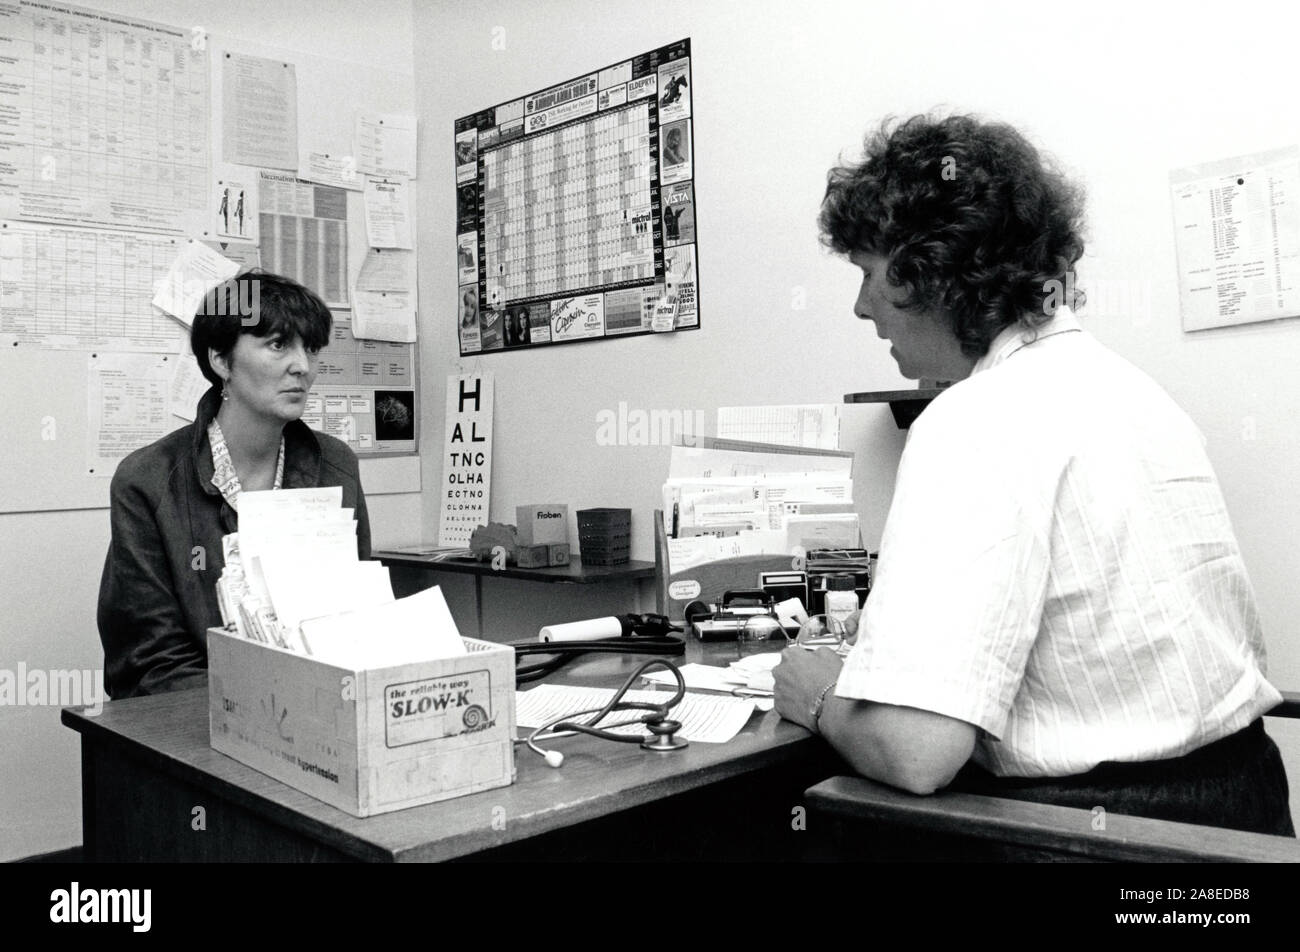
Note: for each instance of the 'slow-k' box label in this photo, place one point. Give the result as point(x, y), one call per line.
point(433, 708)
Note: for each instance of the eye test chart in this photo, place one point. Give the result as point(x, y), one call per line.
point(576, 209)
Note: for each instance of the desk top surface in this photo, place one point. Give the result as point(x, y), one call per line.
point(598, 777)
point(576, 572)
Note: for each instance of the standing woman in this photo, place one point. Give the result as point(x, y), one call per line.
point(257, 338)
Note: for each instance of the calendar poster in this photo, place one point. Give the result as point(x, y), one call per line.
point(576, 209)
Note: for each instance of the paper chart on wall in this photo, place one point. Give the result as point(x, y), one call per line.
point(384, 299)
point(83, 289)
point(388, 225)
point(304, 230)
point(386, 145)
point(188, 385)
point(1237, 231)
point(365, 393)
point(234, 206)
point(128, 404)
point(196, 271)
point(577, 202)
point(815, 426)
point(105, 120)
point(259, 108)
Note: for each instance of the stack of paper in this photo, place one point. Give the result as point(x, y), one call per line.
point(726, 498)
point(294, 557)
point(396, 632)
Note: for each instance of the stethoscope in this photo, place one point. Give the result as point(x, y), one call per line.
point(662, 731)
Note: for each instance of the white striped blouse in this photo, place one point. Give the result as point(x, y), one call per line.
point(1059, 570)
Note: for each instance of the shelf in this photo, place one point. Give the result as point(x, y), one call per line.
point(575, 573)
point(905, 404)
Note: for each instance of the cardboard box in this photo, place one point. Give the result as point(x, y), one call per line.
point(368, 741)
point(533, 556)
point(542, 525)
point(558, 554)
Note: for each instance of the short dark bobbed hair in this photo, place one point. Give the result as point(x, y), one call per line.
point(258, 303)
point(974, 222)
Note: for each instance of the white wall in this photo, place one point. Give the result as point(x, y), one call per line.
point(50, 562)
point(1119, 92)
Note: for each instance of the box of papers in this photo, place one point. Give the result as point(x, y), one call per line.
point(366, 740)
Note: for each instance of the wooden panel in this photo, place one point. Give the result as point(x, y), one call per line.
point(867, 819)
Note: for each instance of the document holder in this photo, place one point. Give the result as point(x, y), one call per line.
point(707, 582)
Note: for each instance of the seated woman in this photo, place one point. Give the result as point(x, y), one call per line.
point(1061, 612)
point(257, 339)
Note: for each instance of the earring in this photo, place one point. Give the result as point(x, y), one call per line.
point(225, 394)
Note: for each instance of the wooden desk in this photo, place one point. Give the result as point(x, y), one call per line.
point(575, 573)
point(150, 781)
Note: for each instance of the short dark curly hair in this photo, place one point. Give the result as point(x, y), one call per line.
point(974, 221)
point(258, 303)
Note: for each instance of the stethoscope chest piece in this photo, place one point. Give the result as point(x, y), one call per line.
point(662, 736)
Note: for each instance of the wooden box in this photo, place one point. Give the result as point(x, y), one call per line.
point(368, 741)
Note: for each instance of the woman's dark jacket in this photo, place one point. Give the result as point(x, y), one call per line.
point(158, 594)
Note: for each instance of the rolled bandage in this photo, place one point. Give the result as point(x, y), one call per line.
point(594, 629)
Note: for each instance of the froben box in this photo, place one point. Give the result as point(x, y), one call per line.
point(542, 525)
point(368, 741)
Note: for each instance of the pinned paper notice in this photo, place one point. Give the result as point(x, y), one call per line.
point(196, 271)
point(188, 385)
point(665, 315)
point(383, 299)
point(387, 223)
point(386, 144)
point(339, 171)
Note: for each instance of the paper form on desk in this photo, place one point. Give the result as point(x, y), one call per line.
point(709, 677)
point(685, 554)
point(704, 718)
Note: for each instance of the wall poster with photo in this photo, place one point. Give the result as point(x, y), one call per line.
point(576, 209)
